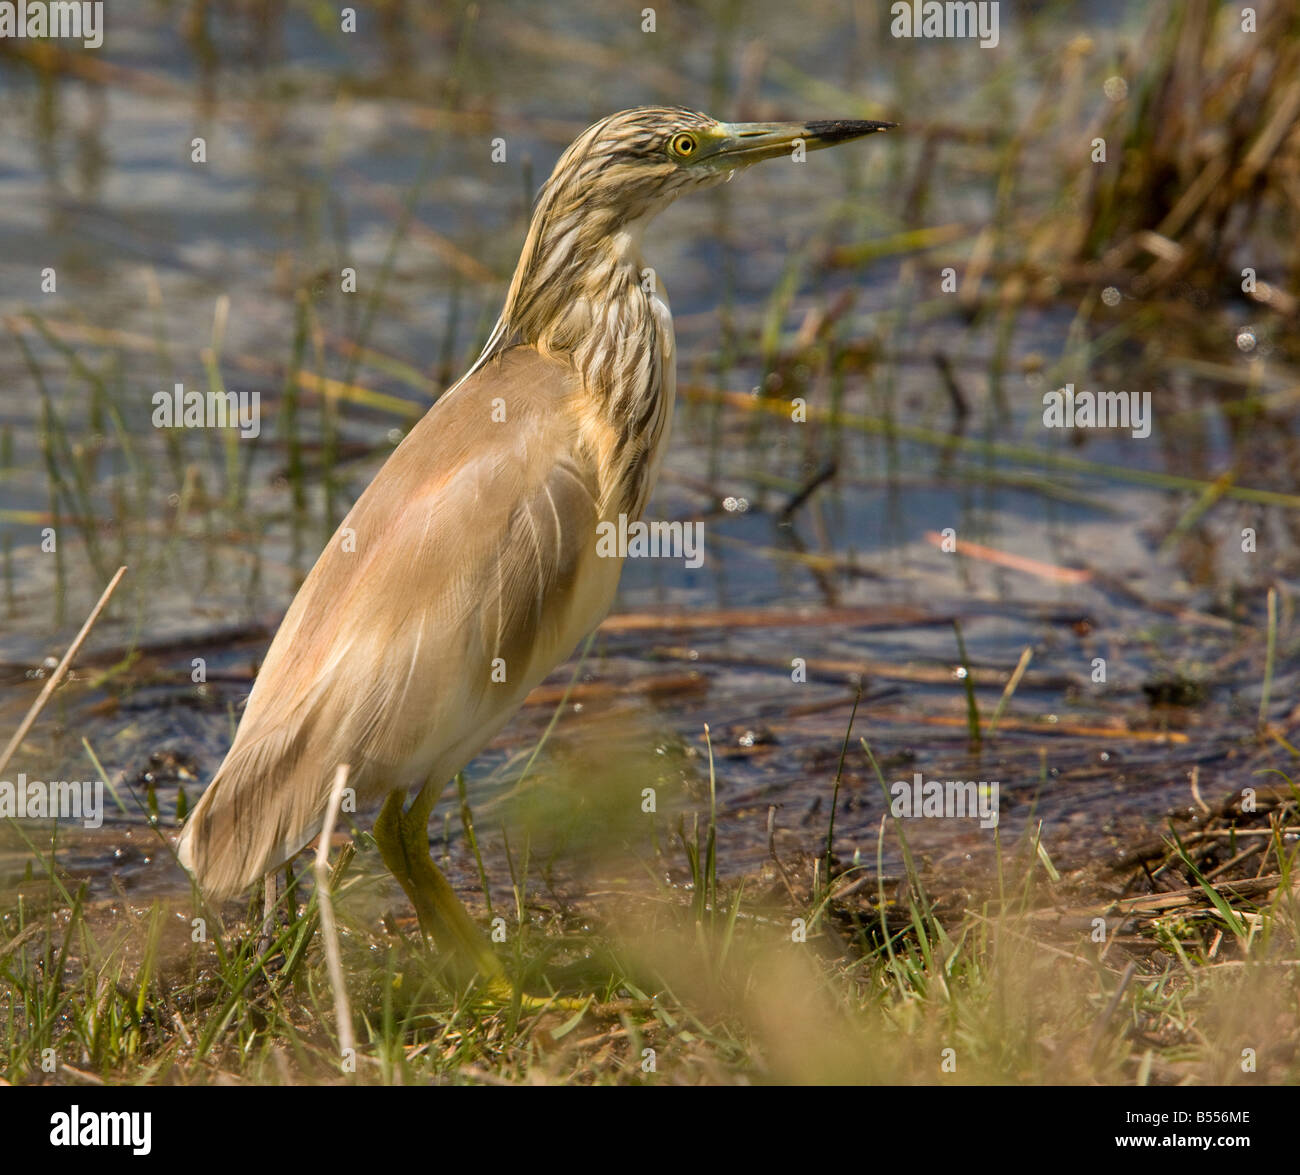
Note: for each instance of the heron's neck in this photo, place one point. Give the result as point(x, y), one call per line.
point(577, 268)
point(582, 289)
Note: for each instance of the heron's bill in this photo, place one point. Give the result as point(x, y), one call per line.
point(742, 143)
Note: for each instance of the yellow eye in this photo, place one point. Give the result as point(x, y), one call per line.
point(683, 145)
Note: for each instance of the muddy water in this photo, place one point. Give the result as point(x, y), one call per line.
point(175, 271)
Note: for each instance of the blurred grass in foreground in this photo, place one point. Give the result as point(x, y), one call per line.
point(1188, 975)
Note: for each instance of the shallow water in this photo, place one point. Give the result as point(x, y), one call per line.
point(313, 145)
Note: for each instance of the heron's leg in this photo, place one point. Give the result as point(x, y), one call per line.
point(403, 840)
point(270, 896)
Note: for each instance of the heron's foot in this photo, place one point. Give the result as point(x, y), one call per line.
point(502, 994)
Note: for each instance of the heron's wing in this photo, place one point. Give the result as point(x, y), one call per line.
point(452, 586)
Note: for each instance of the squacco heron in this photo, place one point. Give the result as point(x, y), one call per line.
point(467, 570)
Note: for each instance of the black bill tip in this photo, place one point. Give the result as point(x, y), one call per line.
point(837, 130)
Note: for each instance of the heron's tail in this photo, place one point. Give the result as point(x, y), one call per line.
point(247, 824)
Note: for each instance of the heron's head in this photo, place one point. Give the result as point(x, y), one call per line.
point(631, 165)
point(609, 183)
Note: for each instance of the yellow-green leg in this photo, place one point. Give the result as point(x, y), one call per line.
point(403, 840)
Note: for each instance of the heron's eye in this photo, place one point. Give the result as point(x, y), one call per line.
point(683, 145)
